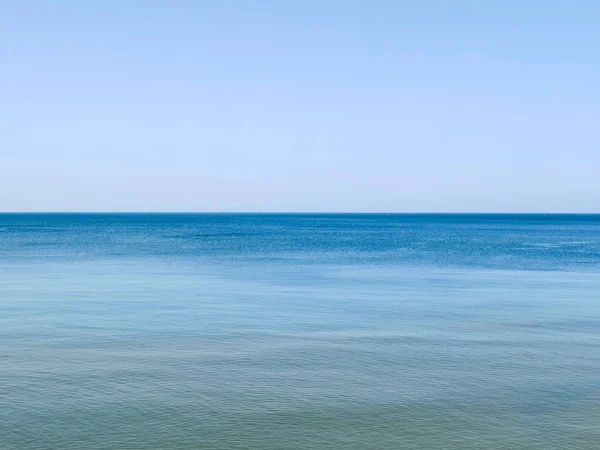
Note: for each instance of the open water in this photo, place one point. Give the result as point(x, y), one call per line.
point(208, 331)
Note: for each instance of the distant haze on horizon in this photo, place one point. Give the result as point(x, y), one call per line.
point(314, 106)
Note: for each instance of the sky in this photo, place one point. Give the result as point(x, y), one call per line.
point(308, 106)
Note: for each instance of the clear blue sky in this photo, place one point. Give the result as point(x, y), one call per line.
point(315, 105)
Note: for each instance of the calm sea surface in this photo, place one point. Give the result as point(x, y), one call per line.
point(299, 331)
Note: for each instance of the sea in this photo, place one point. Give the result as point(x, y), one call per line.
point(299, 331)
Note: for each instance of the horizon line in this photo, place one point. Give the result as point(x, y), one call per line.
point(304, 212)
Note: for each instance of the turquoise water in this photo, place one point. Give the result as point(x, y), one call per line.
point(299, 331)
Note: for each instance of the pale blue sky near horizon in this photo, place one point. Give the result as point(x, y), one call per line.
point(407, 106)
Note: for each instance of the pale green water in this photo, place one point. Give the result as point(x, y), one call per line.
point(299, 332)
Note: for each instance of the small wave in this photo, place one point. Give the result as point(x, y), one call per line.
point(542, 245)
point(35, 228)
